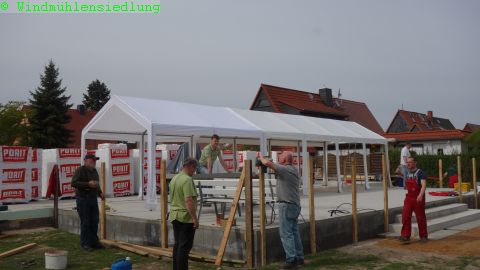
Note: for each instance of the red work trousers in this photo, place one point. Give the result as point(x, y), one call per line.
point(411, 205)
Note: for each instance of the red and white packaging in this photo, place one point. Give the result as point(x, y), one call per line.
point(118, 168)
point(69, 160)
point(158, 162)
point(165, 152)
point(229, 160)
point(250, 155)
point(36, 173)
point(15, 174)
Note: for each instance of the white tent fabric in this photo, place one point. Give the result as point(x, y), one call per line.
point(131, 119)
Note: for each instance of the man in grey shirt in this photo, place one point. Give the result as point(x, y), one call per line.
point(288, 197)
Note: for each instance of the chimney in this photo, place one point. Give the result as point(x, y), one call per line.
point(81, 109)
point(326, 95)
point(429, 115)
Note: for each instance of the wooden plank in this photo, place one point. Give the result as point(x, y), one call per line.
point(228, 226)
point(385, 194)
point(157, 252)
point(124, 247)
point(103, 214)
point(248, 212)
point(440, 173)
point(474, 175)
point(16, 250)
point(263, 232)
point(459, 170)
point(354, 202)
point(311, 207)
point(163, 204)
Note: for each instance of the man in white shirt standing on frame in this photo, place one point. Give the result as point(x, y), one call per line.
point(405, 154)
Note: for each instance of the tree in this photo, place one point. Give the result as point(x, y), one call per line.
point(49, 116)
point(97, 95)
point(13, 130)
point(474, 139)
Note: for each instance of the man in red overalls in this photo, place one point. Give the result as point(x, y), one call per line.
point(416, 183)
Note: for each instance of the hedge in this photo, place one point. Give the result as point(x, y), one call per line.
point(429, 163)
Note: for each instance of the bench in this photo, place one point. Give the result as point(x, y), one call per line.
point(222, 191)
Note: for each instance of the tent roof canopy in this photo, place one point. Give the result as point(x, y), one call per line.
point(127, 118)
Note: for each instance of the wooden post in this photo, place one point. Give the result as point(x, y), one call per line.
point(163, 204)
point(354, 201)
point(248, 212)
point(385, 194)
point(459, 170)
point(231, 217)
point(311, 207)
point(103, 214)
point(440, 173)
point(55, 196)
point(474, 175)
point(263, 236)
point(16, 250)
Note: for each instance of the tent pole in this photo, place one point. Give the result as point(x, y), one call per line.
point(142, 160)
point(388, 166)
point(194, 147)
point(305, 171)
point(191, 154)
point(339, 178)
point(235, 165)
point(269, 148)
point(365, 167)
point(325, 163)
point(299, 166)
point(82, 149)
point(151, 201)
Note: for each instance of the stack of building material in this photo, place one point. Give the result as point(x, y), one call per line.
point(119, 169)
point(15, 168)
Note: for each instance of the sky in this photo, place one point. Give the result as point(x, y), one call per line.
point(419, 55)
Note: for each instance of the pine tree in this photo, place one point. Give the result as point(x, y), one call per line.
point(50, 112)
point(97, 95)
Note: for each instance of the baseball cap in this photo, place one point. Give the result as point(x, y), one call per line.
point(90, 156)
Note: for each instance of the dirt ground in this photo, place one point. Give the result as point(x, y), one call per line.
point(462, 244)
point(460, 251)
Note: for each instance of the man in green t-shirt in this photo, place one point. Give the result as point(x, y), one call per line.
point(210, 153)
point(183, 213)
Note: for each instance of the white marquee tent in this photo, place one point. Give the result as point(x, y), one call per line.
point(133, 119)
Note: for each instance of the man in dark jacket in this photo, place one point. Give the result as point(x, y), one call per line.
point(86, 183)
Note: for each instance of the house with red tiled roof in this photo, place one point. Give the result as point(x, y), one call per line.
point(80, 117)
point(426, 133)
point(471, 127)
point(290, 101)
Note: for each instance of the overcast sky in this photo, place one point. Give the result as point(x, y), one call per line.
point(422, 54)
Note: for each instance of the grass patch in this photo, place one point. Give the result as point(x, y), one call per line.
point(334, 259)
point(401, 266)
point(77, 257)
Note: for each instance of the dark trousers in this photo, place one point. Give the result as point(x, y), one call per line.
point(183, 234)
point(87, 209)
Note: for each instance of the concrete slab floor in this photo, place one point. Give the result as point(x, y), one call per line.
point(326, 198)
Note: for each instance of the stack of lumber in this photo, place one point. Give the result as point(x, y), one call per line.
point(158, 252)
